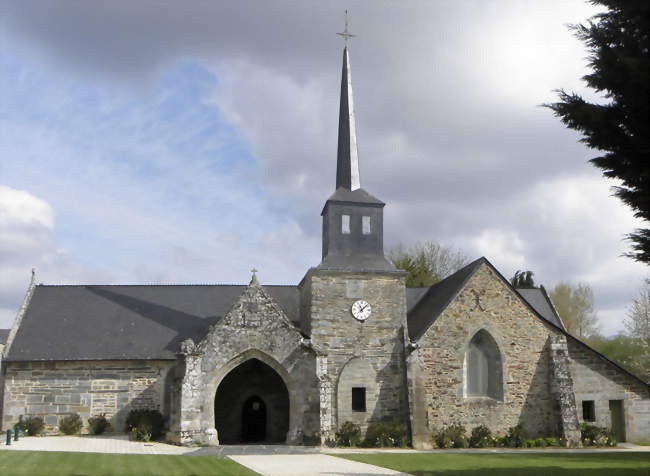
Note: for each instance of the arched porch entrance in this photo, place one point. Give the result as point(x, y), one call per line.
point(251, 405)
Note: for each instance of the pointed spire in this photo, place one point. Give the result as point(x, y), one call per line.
point(347, 161)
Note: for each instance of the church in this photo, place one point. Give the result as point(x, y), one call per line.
point(232, 364)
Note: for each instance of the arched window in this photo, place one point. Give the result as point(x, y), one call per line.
point(483, 368)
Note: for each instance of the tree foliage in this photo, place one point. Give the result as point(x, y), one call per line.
point(523, 280)
point(626, 352)
point(427, 263)
point(637, 328)
point(575, 305)
point(617, 41)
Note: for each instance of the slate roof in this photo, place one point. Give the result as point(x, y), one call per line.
point(126, 322)
point(426, 310)
point(354, 196)
point(4, 334)
point(540, 301)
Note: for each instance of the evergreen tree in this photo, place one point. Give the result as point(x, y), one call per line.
point(617, 41)
point(523, 280)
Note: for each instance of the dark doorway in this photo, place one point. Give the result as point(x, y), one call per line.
point(253, 420)
point(252, 405)
point(618, 419)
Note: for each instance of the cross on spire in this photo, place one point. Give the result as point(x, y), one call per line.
point(345, 33)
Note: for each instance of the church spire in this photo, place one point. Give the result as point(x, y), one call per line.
point(347, 161)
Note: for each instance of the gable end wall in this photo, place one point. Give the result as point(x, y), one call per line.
point(523, 341)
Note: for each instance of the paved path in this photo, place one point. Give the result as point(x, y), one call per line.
point(310, 465)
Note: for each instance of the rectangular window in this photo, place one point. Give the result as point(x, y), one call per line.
point(365, 225)
point(345, 224)
point(588, 410)
point(358, 399)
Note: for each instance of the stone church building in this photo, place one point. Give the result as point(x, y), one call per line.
point(265, 363)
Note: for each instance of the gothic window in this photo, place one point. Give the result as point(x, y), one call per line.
point(483, 368)
point(365, 225)
point(345, 224)
point(358, 399)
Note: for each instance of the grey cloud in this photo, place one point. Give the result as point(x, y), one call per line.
point(450, 152)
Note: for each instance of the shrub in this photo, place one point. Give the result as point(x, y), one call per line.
point(71, 424)
point(98, 424)
point(144, 424)
point(389, 435)
point(515, 437)
point(552, 441)
point(349, 434)
point(592, 435)
point(540, 443)
point(452, 436)
point(32, 426)
point(481, 437)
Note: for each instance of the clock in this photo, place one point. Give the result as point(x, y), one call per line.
point(361, 310)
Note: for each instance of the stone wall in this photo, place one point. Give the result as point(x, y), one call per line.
point(254, 328)
point(598, 380)
point(52, 390)
point(343, 340)
point(523, 340)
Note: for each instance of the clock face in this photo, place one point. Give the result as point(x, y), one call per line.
point(361, 310)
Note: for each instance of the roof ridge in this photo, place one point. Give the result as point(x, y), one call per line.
point(158, 284)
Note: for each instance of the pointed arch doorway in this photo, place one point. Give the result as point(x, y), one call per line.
point(251, 405)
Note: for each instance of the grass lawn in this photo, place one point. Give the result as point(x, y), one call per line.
point(525, 464)
point(43, 463)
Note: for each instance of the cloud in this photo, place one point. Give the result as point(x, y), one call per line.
point(27, 241)
point(205, 134)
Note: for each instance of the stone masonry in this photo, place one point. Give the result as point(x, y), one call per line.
point(254, 328)
point(53, 390)
point(486, 303)
point(372, 351)
point(598, 380)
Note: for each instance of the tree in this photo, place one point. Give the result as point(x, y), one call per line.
point(523, 280)
point(617, 42)
point(625, 351)
point(575, 305)
point(427, 263)
point(637, 327)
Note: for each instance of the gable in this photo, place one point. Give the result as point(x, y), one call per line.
point(126, 322)
point(426, 304)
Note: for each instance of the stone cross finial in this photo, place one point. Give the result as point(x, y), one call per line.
point(254, 277)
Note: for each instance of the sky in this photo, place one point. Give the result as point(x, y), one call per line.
point(188, 142)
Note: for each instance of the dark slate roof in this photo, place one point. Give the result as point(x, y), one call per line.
point(361, 263)
point(4, 334)
point(539, 300)
point(436, 299)
point(126, 322)
point(354, 196)
point(413, 296)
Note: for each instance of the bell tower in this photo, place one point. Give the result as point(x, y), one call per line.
point(353, 220)
point(354, 302)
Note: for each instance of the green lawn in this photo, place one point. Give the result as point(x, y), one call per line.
point(42, 463)
point(525, 464)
